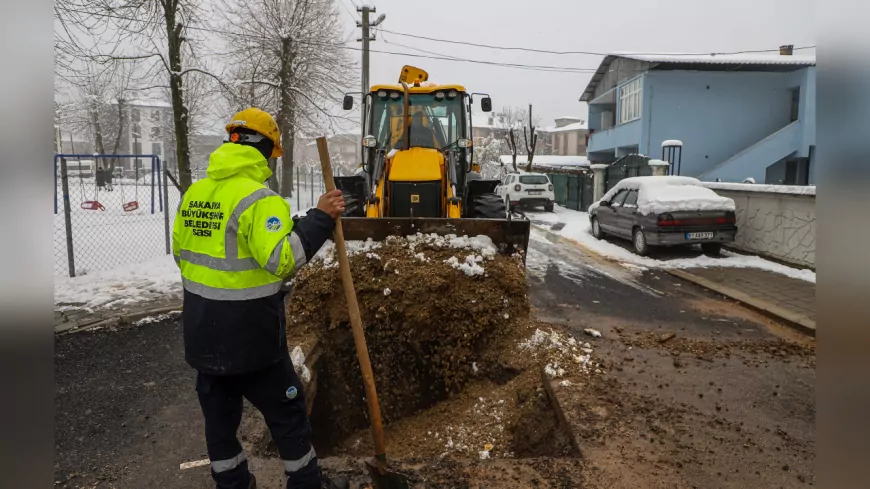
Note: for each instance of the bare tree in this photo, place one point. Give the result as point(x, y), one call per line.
point(292, 48)
point(531, 140)
point(151, 32)
point(512, 146)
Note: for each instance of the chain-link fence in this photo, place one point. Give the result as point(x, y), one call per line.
point(114, 218)
point(127, 218)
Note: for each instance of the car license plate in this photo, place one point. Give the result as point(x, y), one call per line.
point(534, 192)
point(699, 235)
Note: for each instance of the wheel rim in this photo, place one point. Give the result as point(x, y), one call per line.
point(596, 229)
point(639, 241)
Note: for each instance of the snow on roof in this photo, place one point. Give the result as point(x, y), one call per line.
point(569, 117)
point(546, 160)
point(775, 189)
point(577, 126)
point(657, 195)
point(748, 58)
point(672, 142)
point(149, 103)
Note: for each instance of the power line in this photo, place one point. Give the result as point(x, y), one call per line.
point(590, 53)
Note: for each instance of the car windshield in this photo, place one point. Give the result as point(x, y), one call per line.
point(436, 122)
point(534, 179)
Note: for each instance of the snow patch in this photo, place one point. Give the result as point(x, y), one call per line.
point(672, 142)
point(592, 332)
point(663, 194)
point(298, 359)
point(387, 291)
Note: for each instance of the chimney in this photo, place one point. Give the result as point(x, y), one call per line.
point(786, 50)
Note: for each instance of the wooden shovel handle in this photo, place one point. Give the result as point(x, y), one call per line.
point(359, 338)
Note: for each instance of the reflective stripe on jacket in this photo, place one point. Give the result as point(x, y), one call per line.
point(233, 236)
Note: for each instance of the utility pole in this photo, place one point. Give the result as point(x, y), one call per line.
point(365, 24)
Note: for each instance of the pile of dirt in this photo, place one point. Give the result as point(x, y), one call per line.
point(431, 306)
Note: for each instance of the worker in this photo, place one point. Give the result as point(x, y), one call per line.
point(236, 245)
point(421, 136)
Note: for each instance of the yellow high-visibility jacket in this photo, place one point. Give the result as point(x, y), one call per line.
point(236, 243)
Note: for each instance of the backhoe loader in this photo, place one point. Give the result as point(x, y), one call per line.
point(417, 172)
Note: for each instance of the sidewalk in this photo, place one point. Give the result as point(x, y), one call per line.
point(790, 299)
point(71, 318)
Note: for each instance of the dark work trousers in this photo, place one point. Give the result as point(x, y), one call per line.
point(277, 393)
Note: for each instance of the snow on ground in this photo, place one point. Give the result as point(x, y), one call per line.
point(577, 228)
point(153, 279)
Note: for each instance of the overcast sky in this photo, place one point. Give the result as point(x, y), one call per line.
point(569, 25)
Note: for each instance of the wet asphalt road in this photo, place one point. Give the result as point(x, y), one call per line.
point(126, 412)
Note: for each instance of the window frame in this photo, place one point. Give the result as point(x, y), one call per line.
point(633, 205)
point(618, 203)
point(630, 101)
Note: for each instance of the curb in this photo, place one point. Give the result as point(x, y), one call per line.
point(800, 322)
point(118, 320)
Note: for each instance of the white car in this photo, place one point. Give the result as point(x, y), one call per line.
point(527, 190)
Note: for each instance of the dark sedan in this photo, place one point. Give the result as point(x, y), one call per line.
point(621, 216)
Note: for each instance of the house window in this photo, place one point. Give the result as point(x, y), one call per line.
point(155, 132)
point(630, 101)
point(155, 116)
point(135, 115)
point(157, 149)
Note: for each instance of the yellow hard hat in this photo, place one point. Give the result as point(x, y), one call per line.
point(258, 120)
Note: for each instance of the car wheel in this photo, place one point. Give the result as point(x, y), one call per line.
point(640, 245)
point(596, 229)
point(711, 249)
point(549, 207)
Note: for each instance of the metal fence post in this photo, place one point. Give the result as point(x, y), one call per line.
point(298, 195)
point(55, 184)
point(67, 219)
point(166, 212)
point(160, 180)
point(311, 186)
point(152, 185)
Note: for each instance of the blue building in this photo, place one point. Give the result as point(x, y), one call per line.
point(738, 116)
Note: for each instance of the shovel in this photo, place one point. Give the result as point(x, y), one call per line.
point(381, 476)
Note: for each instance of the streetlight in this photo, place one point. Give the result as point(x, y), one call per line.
point(379, 20)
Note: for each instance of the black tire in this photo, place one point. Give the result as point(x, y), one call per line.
point(638, 240)
point(711, 249)
point(597, 233)
point(353, 206)
point(548, 207)
point(488, 206)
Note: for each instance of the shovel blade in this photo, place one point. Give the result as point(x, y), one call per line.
point(386, 479)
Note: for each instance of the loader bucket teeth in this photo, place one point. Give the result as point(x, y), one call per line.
point(509, 235)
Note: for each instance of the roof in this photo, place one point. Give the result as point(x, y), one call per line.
point(149, 103)
point(750, 62)
point(546, 160)
point(568, 127)
point(421, 89)
point(568, 117)
point(731, 59)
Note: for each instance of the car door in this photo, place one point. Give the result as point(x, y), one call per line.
point(607, 217)
point(626, 214)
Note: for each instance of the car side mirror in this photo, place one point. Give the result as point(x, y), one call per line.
point(605, 203)
point(348, 102)
point(486, 104)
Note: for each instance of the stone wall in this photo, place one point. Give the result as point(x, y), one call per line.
point(774, 220)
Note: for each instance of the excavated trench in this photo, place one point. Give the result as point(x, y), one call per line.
point(442, 340)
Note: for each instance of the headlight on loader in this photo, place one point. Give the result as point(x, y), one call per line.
point(370, 142)
point(464, 143)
